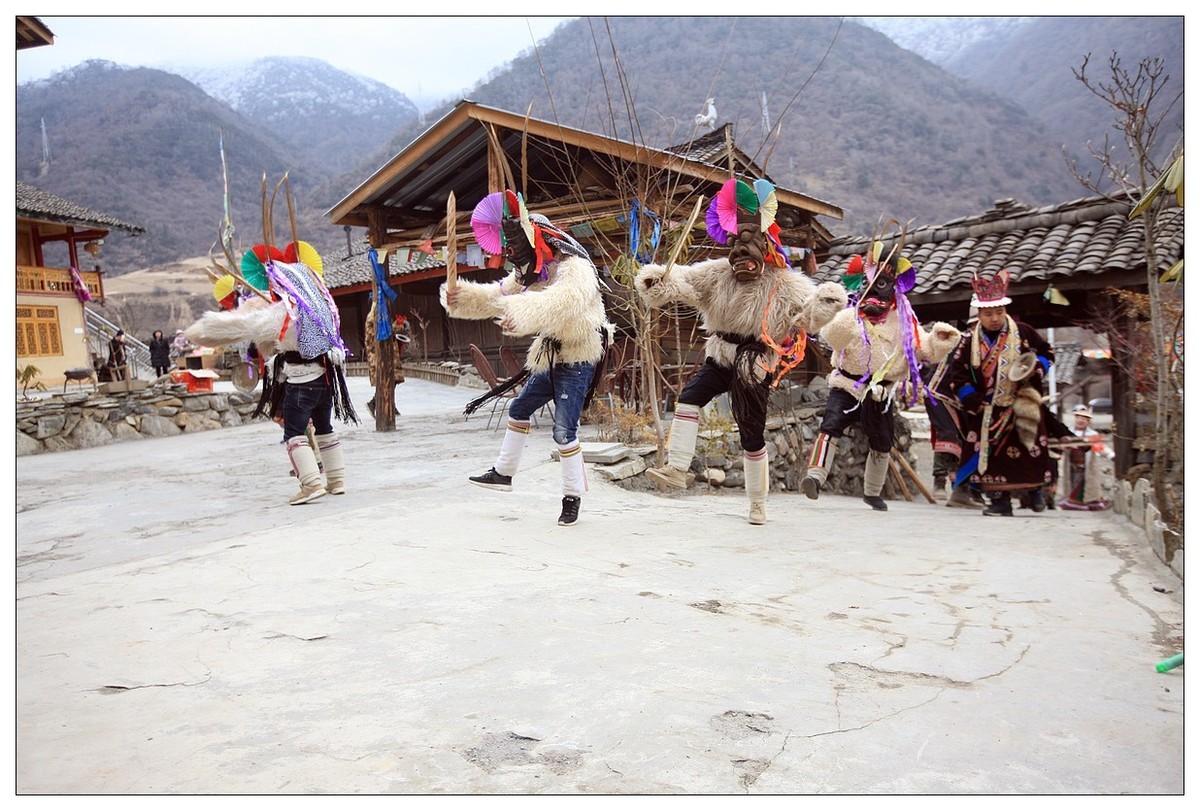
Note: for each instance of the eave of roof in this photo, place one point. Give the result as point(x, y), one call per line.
point(32, 33)
point(35, 204)
point(434, 160)
point(356, 269)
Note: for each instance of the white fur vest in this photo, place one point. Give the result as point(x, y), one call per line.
point(566, 308)
point(853, 355)
point(782, 300)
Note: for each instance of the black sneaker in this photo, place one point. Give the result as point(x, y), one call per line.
point(493, 480)
point(876, 503)
point(570, 511)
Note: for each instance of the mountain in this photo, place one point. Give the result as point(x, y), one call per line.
point(1033, 61)
point(881, 131)
point(866, 125)
point(328, 118)
point(1035, 66)
point(945, 41)
point(142, 145)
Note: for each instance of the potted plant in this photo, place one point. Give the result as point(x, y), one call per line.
point(26, 375)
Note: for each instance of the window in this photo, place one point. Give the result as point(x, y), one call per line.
point(38, 332)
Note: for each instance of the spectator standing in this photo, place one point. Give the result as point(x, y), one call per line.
point(160, 353)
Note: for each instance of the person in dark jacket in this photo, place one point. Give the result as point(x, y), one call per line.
point(116, 356)
point(160, 353)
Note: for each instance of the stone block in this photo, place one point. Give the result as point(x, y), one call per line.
point(154, 425)
point(50, 425)
point(624, 469)
point(27, 445)
point(89, 434)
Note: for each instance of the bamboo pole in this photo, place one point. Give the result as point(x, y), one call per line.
point(683, 236)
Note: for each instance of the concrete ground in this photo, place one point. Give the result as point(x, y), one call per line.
point(180, 629)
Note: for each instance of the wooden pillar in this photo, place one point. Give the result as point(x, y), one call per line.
point(385, 374)
point(1124, 417)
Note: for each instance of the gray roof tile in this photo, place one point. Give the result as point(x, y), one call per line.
point(36, 204)
point(1083, 236)
point(356, 269)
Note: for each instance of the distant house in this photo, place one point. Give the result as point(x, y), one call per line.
point(52, 328)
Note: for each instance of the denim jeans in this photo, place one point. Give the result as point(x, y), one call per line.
point(307, 401)
point(567, 385)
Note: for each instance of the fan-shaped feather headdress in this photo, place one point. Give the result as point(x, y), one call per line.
point(735, 195)
point(487, 222)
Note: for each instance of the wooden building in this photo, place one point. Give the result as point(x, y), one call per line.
point(610, 194)
point(52, 329)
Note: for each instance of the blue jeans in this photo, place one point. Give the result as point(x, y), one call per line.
point(307, 401)
point(567, 385)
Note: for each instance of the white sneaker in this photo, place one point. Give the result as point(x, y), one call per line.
point(758, 512)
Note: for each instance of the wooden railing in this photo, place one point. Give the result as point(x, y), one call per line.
point(56, 281)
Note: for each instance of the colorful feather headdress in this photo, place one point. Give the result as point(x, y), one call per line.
point(866, 268)
point(860, 276)
point(737, 195)
point(487, 222)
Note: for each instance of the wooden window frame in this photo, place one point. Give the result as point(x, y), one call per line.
point(39, 331)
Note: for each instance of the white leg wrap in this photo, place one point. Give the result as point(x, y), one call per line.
point(875, 473)
point(681, 444)
point(304, 461)
point(330, 449)
point(574, 476)
point(511, 447)
point(756, 468)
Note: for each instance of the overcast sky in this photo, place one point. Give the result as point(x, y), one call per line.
point(426, 58)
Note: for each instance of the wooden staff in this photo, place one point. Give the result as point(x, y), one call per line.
point(451, 244)
point(900, 460)
point(287, 190)
point(895, 471)
point(683, 237)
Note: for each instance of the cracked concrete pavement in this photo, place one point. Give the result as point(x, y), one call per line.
point(181, 630)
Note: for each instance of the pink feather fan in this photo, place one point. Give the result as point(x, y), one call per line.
point(485, 222)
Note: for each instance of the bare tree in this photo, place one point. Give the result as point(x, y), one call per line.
point(1140, 102)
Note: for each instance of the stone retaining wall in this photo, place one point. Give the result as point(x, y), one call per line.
point(1136, 502)
point(85, 420)
point(790, 433)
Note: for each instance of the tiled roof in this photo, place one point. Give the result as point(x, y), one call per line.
point(35, 204)
point(710, 146)
point(356, 268)
point(1084, 236)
